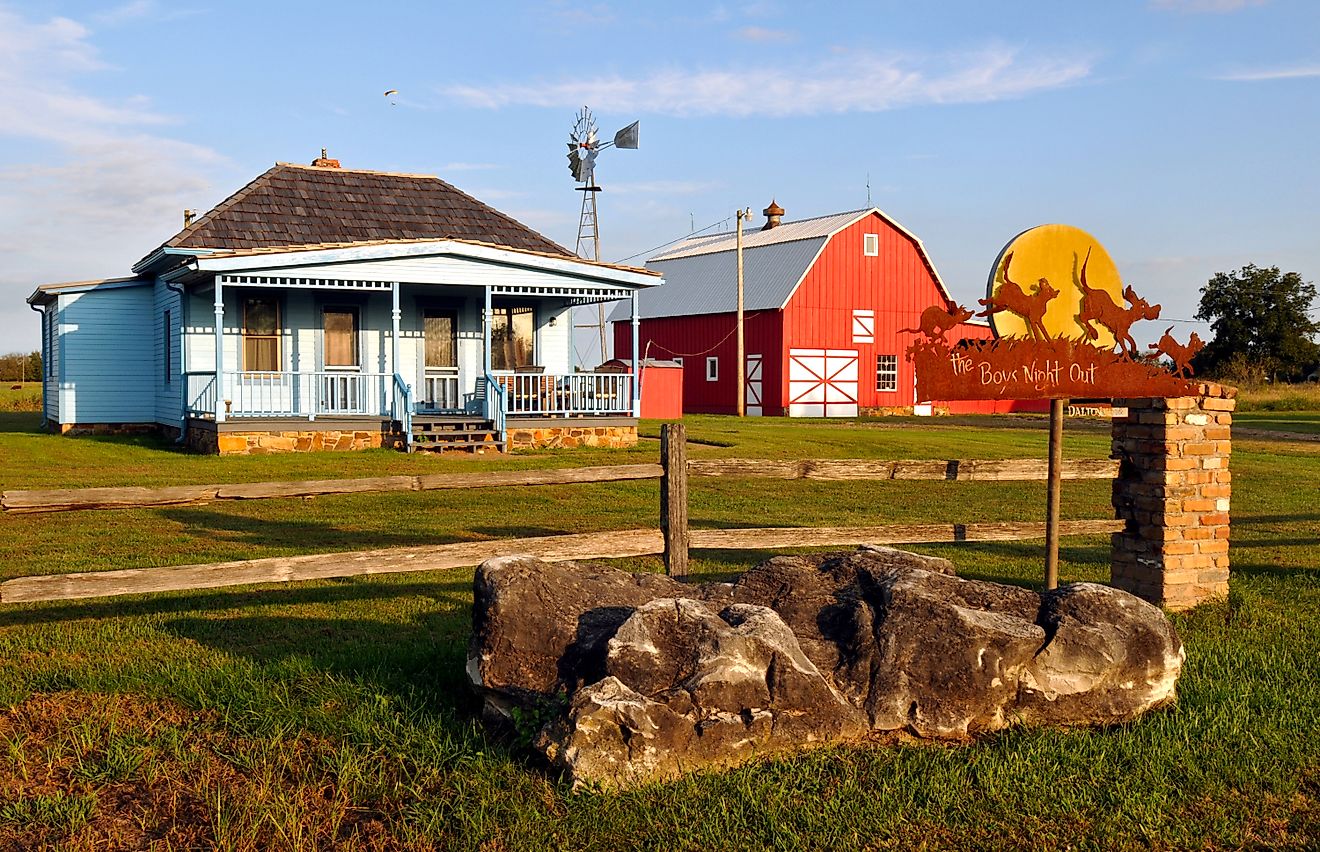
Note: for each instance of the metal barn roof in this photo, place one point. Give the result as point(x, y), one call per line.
point(803, 229)
point(702, 283)
point(699, 272)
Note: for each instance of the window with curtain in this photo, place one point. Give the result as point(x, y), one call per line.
point(341, 337)
point(440, 328)
point(261, 335)
point(512, 337)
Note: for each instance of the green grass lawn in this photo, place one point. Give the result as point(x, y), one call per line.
point(336, 713)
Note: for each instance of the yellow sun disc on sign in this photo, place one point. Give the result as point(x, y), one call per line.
point(1037, 285)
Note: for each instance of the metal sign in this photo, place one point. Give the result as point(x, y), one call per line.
point(1062, 322)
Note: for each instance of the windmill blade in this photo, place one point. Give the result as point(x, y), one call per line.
point(627, 137)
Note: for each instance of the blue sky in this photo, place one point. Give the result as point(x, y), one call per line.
point(1181, 133)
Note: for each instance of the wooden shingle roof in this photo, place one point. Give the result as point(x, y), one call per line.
point(295, 205)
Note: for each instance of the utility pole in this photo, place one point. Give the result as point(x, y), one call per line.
point(742, 341)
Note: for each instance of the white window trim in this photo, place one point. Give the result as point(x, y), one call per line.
point(891, 376)
point(712, 368)
point(871, 245)
point(862, 321)
point(678, 359)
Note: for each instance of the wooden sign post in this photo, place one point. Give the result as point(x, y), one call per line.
point(1054, 491)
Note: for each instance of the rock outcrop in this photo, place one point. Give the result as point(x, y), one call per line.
point(633, 676)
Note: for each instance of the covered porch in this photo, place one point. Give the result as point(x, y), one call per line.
point(312, 344)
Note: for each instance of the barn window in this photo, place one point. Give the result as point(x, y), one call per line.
point(863, 326)
point(167, 332)
point(678, 359)
point(871, 245)
point(261, 335)
point(712, 369)
point(886, 372)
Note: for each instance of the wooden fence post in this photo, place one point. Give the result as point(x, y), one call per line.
point(674, 497)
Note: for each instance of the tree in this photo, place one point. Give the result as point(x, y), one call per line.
point(1260, 317)
point(17, 367)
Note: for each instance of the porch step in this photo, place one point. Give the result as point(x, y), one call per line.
point(470, 434)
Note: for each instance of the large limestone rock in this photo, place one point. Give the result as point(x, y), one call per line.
point(639, 676)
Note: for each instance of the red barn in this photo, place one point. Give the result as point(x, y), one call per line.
point(829, 304)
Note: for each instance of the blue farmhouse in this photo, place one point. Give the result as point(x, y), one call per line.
point(322, 307)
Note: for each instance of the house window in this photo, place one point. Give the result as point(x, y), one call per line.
point(886, 372)
point(712, 369)
point(512, 337)
point(863, 326)
point(167, 334)
point(440, 329)
point(341, 338)
point(261, 335)
point(871, 245)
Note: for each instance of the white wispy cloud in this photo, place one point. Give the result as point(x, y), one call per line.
point(103, 184)
point(1292, 72)
point(1196, 7)
point(763, 34)
point(855, 82)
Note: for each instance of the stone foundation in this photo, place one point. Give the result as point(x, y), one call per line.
point(1173, 489)
point(547, 437)
point(232, 443)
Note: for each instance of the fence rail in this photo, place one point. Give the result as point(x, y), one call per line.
point(608, 545)
point(62, 500)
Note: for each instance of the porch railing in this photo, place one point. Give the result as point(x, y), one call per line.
point(574, 393)
point(440, 393)
point(285, 394)
point(199, 394)
point(329, 393)
point(403, 409)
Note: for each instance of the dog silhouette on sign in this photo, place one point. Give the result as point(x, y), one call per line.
point(1180, 355)
point(1099, 307)
point(1013, 298)
point(936, 321)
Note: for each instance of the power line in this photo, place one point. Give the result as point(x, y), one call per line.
point(723, 221)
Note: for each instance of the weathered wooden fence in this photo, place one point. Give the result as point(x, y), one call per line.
point(141, 497)
point(672, 540)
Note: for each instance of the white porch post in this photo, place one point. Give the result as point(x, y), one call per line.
point(395, 316)
point(219, 349)
point(487, 317)
point(636, 367)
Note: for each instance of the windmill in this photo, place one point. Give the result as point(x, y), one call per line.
point(584, 146)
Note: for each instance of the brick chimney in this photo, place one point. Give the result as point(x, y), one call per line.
point(325, 162)
point(773, 214)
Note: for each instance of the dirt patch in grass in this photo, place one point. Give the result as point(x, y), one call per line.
point(91, 771)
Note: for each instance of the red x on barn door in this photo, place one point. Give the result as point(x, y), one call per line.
point(822, 383)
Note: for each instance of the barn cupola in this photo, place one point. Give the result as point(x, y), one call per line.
point(773, 214)
point(324, 162)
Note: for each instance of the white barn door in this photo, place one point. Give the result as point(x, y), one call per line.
point(752, 397)
point(822, 383)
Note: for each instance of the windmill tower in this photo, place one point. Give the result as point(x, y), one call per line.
point(583, 147)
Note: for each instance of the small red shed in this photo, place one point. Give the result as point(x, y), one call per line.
point(661, 386)
point(830, 305)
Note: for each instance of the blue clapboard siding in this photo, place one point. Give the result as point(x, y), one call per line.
point(107, 356)
point(168, 384)
point(50, 363)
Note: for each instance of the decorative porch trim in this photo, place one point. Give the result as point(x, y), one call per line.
point(304, 283)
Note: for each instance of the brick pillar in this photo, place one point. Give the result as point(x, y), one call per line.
point(1172, 489)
